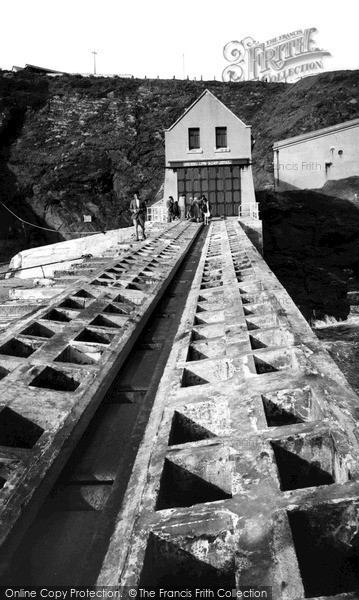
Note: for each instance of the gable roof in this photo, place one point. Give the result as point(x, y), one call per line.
point(38, 69)
point(204, 93)
point(317, 133)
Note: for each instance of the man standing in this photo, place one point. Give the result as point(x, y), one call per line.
point(176, 209)
point(169, 206)
point(138, 210)
point(205, 209)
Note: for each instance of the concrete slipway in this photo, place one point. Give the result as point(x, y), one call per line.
point(248, 467)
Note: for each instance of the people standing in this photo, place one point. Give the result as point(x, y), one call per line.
point(189, 209)
point(176, 209)
point(195, 211)
point(182, 206)
point(169, 206)
point(205, 209)
point(138, 211)
point(201, 206)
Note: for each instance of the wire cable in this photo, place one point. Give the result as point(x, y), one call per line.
point(54, 262)
point(47, 228)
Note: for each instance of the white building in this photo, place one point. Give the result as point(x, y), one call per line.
point(308, 161)
point(208, 151)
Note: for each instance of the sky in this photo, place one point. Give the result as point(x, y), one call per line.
point(164, 38)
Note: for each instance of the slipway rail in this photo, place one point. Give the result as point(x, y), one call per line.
point(247, 474)
point(224, 454)
point(57, 365)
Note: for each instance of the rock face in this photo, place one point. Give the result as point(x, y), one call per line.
point(311, 243)
point(72, 146)
point(75, 145)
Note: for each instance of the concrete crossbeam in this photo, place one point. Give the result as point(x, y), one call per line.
point(249, 464)
point(57, 364)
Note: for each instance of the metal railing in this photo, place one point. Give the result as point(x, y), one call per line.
point(249, 211)
point(157, 212)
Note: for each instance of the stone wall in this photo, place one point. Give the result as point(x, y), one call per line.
point(53, 257)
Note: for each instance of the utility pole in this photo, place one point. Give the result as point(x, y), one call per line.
point(183, 66)
point(94, 61)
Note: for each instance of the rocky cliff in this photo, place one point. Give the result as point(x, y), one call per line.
point(73, 146)
point(311, 244)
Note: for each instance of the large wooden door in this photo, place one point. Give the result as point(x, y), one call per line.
point(221, 185)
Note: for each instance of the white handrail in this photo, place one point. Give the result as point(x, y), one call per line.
point(249, 211)
point(157, 213)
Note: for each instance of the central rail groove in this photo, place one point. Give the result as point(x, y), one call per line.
point(67, 541)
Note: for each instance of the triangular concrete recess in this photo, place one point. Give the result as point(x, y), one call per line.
point(263, 366)
point(251, 326)
point(296, 473)
point(167, 565)
point(185, 430)
point(210, 418)
point(16, 431)
point(256, 344)
point(191, 378)
point(277, 416)
point(180, 487)
point(101, 321)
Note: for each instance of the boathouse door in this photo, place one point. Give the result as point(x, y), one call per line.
point(220, 184)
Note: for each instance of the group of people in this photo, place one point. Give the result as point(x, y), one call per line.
point(198, 210)
point(175, 209)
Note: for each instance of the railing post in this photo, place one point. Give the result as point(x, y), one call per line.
point(250, 211)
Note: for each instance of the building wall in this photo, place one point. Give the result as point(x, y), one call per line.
point(171, 186)
point(222, 188)
point(208, 114)
point(311, 162)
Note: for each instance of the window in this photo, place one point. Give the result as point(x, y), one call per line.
point(193, 138)
point(221, 137)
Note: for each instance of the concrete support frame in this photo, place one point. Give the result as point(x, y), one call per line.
point(248, 195)
point(57, 364)
point(171, 187)
point(248, 470)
